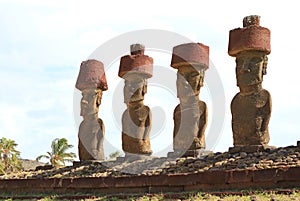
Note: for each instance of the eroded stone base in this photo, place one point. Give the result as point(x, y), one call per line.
point(250, 148)
point(189, 153)
point(129, 157)
point(86, 162)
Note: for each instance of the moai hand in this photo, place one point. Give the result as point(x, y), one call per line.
point(136, 120)
point(190, 116)
point(251, 107)
point(91, 81)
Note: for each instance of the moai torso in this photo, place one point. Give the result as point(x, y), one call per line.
point(91, 137)
point(136, 122)
point(250, 118)
point(251, 107)
point(91, 81)
point(192, 118)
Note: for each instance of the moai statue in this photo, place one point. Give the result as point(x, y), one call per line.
point(251, 107)
point(190, 116)
point(136, 120)
point(91, 82)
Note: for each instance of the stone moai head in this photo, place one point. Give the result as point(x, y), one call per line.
point(135, 88)
point(191, 60)
point(91, 82)
point(250, 45)
point(90, 101)
point(135, 68)
point(189, 81)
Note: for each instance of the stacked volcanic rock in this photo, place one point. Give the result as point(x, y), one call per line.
point(278, 158)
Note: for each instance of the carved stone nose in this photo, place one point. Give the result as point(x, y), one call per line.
point(245, 70)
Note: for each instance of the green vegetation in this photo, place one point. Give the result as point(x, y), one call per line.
point(9, 156)
point(59, 155)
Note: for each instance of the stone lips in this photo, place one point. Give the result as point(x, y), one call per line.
point(140, 64)
point(91, 76)
point(252, 37)
point(194, 54)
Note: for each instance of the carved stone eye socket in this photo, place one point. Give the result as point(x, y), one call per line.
point(84, 102)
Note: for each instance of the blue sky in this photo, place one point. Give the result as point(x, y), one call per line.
point(42, 44)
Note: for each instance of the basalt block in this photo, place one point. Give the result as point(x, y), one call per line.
point(91, 76)
point(251, 37)
point(190, 54)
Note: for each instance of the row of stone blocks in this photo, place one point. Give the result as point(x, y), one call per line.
point(250, 108)
point(285, 178)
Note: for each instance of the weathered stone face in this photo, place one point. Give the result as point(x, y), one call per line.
point(90, 101)
point(250, 66)
point(134, 89)
point(189, 81)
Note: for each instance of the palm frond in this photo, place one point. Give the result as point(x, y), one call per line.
point(41, 156)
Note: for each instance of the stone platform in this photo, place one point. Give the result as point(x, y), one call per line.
point(277, 168)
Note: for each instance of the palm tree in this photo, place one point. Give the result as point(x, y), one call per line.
point(58, 155)
point(2, 171)
point(9, 156)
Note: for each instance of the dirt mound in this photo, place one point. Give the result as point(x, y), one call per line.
point(30, 164)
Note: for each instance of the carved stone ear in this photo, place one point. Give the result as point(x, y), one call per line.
point(144, 89)
point(265, 64)
point(199, 84)
point(264, 71)
point(98, 99)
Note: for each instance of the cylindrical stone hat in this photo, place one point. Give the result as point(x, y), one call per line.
point(91, 76)
point(190, 54)
point(251, 37)
point(137, 62)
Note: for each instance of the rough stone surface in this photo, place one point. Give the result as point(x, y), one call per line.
point(191, 54)
point(250, 37)
point(275, 160)
point(137, 62)
point(251, 107)
point(136, 119)
point(137, 49)
point(91, 76)
point(251, 20)
point(190, 116)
